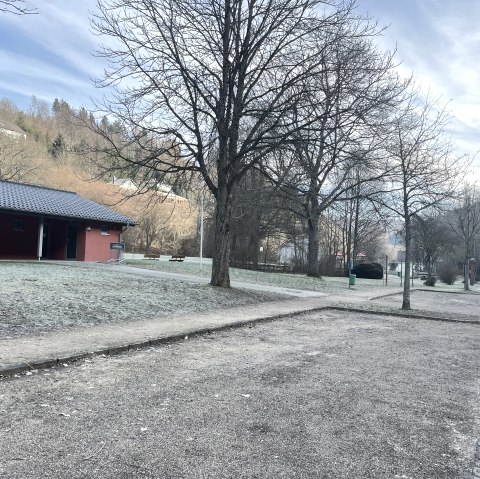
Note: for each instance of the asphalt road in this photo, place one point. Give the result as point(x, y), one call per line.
point(326, 395)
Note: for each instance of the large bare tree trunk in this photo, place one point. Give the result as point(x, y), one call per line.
point(313, 266)
point(254, 242)
point(222, 238)
point(408, 249)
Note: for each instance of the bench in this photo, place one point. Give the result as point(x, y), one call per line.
point(273, 267)
point(177, 257)
point(151, 256)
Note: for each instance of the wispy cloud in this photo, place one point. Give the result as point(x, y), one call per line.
point(439, 41)
point(50, 54)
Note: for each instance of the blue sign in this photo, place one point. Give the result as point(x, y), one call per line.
point(120, 246)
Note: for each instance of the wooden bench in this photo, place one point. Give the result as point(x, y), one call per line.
point(177, 257)
point(273, 267)
point(151, 256)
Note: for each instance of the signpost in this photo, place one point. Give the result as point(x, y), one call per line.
point(117, 251)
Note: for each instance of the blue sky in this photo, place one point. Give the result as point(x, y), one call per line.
point(50, 55)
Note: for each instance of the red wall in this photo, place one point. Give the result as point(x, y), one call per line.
point(18, 244)
point(92, 245)
point(97, 245)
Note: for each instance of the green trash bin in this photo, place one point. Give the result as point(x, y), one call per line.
point(352, 279)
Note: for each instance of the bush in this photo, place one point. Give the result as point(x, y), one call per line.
point(368, 271)
point(430, 281)
point(447, 272)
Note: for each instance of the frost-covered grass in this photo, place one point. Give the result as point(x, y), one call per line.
point(40, 297)
point(192, 266)
point(295, 281)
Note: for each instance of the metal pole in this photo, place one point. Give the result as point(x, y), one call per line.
point(201, 226)
point(40, 240)
point(386, 269)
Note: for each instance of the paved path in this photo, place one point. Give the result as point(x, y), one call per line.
point(204, 280)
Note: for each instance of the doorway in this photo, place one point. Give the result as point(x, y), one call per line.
point(45, 241)
point(72, 233)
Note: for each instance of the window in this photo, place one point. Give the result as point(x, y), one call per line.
point(104, 230)
point(18, 225)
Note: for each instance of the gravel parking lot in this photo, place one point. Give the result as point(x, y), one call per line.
point(327, 395)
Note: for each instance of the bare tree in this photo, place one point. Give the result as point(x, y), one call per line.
point(348, 102)
point(465, 222)
point(253, 213)
point(150, 228)
point(363, 230)
point(210, 86)
point(425, 172)
point(17, 7)
point(431, 238)
point(15, 159)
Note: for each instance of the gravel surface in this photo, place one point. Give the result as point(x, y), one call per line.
point(38, 298)
point(458, 305)
point(328, 395)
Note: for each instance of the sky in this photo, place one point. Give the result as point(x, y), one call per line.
point(50, 55)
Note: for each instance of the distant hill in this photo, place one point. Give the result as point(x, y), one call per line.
point(42, 146)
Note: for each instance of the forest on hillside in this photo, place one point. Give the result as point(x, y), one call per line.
point(45, 145)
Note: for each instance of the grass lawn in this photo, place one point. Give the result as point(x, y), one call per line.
point(192, 266)
point(296, 281)
point(43, 297)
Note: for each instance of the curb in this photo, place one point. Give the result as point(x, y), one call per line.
point(414, 289)
point(175, 338)
point(463, 291)
point(400, 315)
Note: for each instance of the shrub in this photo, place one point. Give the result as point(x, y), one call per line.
point(368, 271)
point(447, 272)
point(430, 281)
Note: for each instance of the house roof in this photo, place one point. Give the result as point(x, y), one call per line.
point(39, 200)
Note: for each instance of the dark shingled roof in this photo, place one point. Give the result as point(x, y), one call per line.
point(47, 201)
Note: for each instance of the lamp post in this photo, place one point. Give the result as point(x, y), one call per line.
point(202, 199)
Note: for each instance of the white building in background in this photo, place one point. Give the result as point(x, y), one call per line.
point(125, 183)
point(162, 189)
point(286, 252)
point(12, 131)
